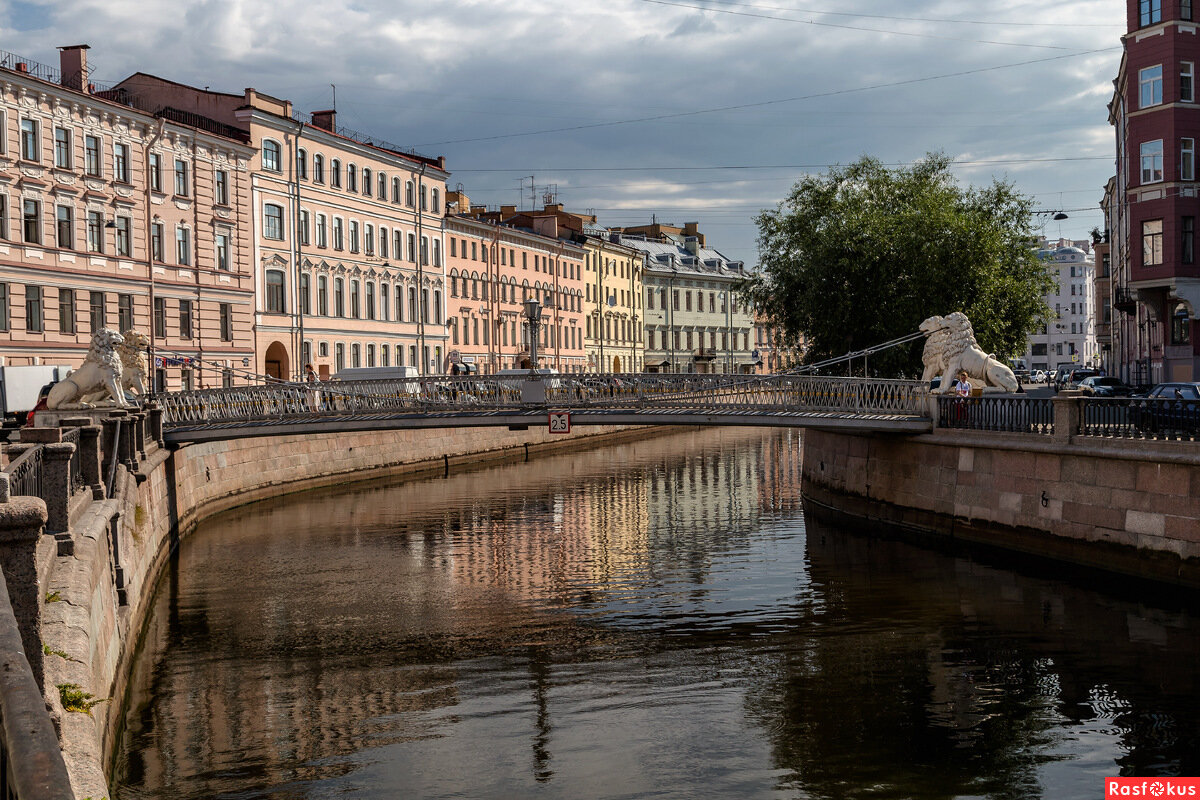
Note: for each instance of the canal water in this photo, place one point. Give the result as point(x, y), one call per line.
point(657, 619)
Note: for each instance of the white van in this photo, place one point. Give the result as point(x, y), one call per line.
point(375, 373)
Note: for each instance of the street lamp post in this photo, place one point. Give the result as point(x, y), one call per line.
point(533, 317)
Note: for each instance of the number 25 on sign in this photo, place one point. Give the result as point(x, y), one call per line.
point(560, 422)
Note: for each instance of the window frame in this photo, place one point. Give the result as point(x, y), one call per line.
point(1151, 154)
point(1150, 86)
point(31, 139)
point(1152, 243)
point(93, 156)
point(271, 156)
point(63, 155)
point(274, 299)
point(273, 222)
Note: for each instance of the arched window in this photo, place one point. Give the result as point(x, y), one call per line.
point(367, 181)
point(323, 296)
point(335, 174)
point(424, 200)
point(383, 311)
point(437, 201)
point(454, 283)
point(270, 156)
point(302, 164)
point(339, 297)
point(275, 291)
point(382, 185)
point(1181, 327)
point(351, 178)
point(383, 241)
point(318, 168)
point(396, 190)
point(409, 197)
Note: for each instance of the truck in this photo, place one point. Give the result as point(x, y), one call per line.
point(19, 388)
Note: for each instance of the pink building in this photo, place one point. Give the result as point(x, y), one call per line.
point(493, 268)
point(111, 216)
point(347, 231)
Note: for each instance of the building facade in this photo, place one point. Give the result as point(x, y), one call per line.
point(492, 269)
point(114, 217)
point(1152, 214)
point(349, 246)
point(695, 321)
point(1068, 339)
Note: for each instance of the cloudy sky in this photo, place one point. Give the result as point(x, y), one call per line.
point(703, 110)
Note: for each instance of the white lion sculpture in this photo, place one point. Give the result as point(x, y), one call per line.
point(952, 348)
point(133, 364)
point(100, 375)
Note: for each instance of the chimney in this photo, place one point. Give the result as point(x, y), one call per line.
point(72, 62)
point(326, 120)
point(692, 244)
point(460, 201)
point(546, 226)
point(508, 211)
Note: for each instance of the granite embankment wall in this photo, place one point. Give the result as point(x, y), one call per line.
point(96, 598)
point(1130, 507)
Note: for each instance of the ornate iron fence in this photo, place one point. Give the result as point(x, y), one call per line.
point(1140, 418)
point(1011, 414)
point(25, 473)
point(715, 393)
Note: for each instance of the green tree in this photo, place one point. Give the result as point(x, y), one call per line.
point(862, 254)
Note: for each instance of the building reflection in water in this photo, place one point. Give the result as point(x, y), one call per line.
point(645, 618)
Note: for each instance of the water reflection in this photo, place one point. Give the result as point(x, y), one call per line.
point(647, 620)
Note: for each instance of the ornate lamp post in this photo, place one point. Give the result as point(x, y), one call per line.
point(533, 317)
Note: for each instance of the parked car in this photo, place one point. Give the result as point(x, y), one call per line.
point(1169, 407)
point(1071, 378)
point(1039, 376)
point(1105, 386)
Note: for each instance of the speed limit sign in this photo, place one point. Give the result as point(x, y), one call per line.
point(560, 422)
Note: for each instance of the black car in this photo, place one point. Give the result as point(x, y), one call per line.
point(1105, 386)
point(1169, 407)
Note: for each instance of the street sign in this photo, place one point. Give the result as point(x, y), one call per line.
point(1075, 358)
point(560, 421)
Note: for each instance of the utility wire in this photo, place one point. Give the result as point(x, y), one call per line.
point(780, 101)
point(965, 163)
point(925, 19)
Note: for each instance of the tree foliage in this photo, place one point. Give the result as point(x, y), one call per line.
point(862, 254)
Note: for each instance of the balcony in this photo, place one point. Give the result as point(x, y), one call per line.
point(1124, 300)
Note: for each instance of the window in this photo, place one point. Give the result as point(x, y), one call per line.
point(4, 305)
point(412, 248)
point(385, 359)
point(1180, 325)
point(369, 239)
point(181, 177)
point(305, 294)
point(437, 252)
point(383, 196)
point(437, 201)
point(226, 317)
point(395, 190)
point(1187, 90)
point(29, 141)
point(62, 149)
point(353, 236)
point(366, 181)
point(270, 156)
point(124, 312)
point(274, 291)
point(273, 221)
point(66, 310)
point(1150, 83)
point(339, 297)
point(424, 199)
point(1152, 242)
point(64, 227)
point(3, 207)
point(302, 164)
point(95, 231)
point(322, 237)
point(383, 242)
point(156, 242)
point(156, 172)
point(304, 226)
point(409, 197)
point(124, 237)
point(185, 319)
point(1152, 161)
point(338, 235)
point(221, 250)
point(31, 218)
point(351, 178)
point(121, 162)
point(183, 246)
point(160, 317)
point(318, 168)
point(1149, 12)
point(34, 322)
point(425, 250)
point(370, 355)
point(383, 305)
point(339, 359)
point(221, 187)
point(354, 304)
point(1187, 243)
point(323, 296)
point(91, 155)
point(98, 310)
point(356, 355)
point(1185, 9)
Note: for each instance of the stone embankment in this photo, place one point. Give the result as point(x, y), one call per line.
point(94, 582)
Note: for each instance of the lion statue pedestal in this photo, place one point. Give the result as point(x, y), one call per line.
point(98, 379)
point(951, 348)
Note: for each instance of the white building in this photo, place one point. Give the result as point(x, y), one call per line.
point(1068, 340)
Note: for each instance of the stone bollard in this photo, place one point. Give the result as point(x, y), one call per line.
point(139, 434)
point(156, 423)
point(127, 447)
point(1066, 416)
point(110, 445)
point(89, 453)
point(41, 435)
point(21, 522)
point(56, 487)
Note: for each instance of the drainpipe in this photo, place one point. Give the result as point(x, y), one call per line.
point(296, 245)
point(162, 126)
point(421, 309)
point(196, 267)
point(557, 310)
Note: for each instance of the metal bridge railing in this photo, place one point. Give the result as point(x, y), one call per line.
point(1010, 414)
point(701, 393)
